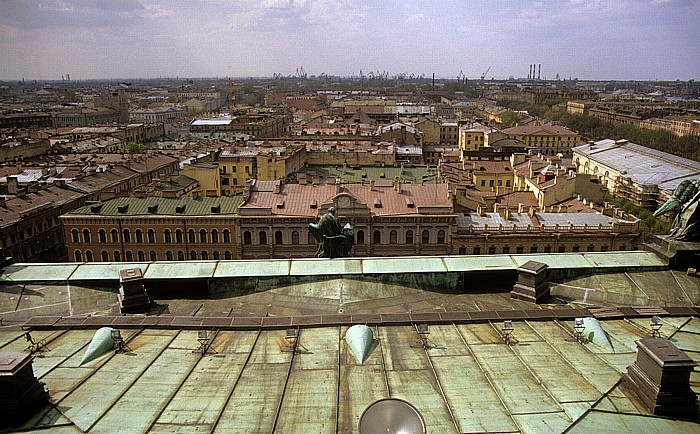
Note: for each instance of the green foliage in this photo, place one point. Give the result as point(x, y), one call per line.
point(133, 147)
point(649, 224)
point(510, 119)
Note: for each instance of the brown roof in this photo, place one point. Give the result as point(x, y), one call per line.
point(527, 198)
point(297, 199)
point(16, 207)
point(493, 167)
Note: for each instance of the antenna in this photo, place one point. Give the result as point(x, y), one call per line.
point(391, 415)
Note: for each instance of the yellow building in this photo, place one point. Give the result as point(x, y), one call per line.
point(265, 163)
point(549, 139)
point(207, 175)
point(496, 176)
point(471, 138)
point(431, 131)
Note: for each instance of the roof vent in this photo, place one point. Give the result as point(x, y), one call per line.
point(152, 209)
point(95, 209)
point(216, 208)
point(409, 203)
point(123, 209)
point(180, 209)
point(280, 205)
point(313, 204)
point(378, 203)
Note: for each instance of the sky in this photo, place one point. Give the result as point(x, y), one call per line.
point(585, 39)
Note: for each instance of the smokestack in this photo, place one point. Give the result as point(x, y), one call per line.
point(529, 71)
point(433, 81)
point(539, 69)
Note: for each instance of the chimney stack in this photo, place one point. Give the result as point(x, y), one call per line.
point(12, 184)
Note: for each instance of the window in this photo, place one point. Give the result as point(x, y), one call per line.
point(477, 251)
point(500, 182)
point(178, 236)
point(105, 256)
point(139, 236)
point(193, 255)
point(507, 182)
point(205, 255)
point(623, 247)
point(548, 249)
point(154, 256)
point(115, 235)
point(129, 256)
point(227, 236)
point(202, 236)
point(167, 236)
point(295, 237)
point(117, 256)
point(360, 237)
point(262, 237)
point(561, 249)
point(78, 256)
point(533, 249)
point(141, 255)
point(74, 235)
point(462, 250)
point(377, 237)
point(310, 238)
point(151, 236)
point(191, 236)
point(168, 255)
point(227, 255)
point(490, 182)
point(483, 183)
point(247, 238)
point(214, 236)
point(492, 250)
point(425, 237)
point(505, 250)
point(519, 249)
point(86, 235)
point(575, 249)
point(216, 255)
point(409, 237)
point(392, 237)
point(88, 256)
point(441, 237)
point(603, 248)
point(126, 235)
point(590, 248)
point(180, 255)
point(278, 237)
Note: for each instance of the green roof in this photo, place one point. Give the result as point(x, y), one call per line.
point(136, 206)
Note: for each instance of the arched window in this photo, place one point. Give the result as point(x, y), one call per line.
point(86, 235)
point(129, 256)
point(247, 238)
point(227, 255)
point(115, 235)
point(190, 236)
point(88, 256)
point(126, 235)
point(151, 236)
point(139, 236)
point(178, 236)
point(377, 237)
point(193, 255)
point(216, 255)
point(78, 256)
point(117, 256)
point(205, 255)
point(180, 255)
point(295, 237)
point(154, 256)
point(75, 235)
point(441, 237)
point(168, 255)
point(393, 237)
point(141, 255)
point(278, 237)
point(102, 234)
point(360, 237)
point(310, 238)
point(409, 237)
point(214, 236)
point(202, 235)
point(105, 256)
point(167, 236)
point(227, 236)
point(425, 237)
point(262, 237)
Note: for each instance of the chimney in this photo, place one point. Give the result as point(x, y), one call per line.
point(520, 208)
point(12, 184)
point(278, 187)
point(19, 167)
point(3, 203)
point(338, 186)
point(397, 184)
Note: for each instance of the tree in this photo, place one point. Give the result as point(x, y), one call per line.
point(509, 119)
point(133, 147)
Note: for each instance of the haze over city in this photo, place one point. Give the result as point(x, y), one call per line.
point(621, 40)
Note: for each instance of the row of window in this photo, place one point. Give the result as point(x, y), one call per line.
point(535, 249)
point(192, 236)
point(491, 183)
point(359, 237)
point(152, 256)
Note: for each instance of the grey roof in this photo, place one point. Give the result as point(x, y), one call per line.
point(576, 219)
point(643, 165)
point(493, 219)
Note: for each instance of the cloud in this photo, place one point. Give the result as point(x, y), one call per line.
point(415, 18)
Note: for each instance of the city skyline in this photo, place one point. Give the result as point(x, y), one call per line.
point(590, 40)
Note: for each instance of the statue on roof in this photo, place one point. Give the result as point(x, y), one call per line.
point(684, 202)
point(333, 240)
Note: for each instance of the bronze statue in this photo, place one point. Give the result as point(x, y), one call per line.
point(333, 241)
point(684, 202)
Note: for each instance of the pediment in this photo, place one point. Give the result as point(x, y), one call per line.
point(346, 204)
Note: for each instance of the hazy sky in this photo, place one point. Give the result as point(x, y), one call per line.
point(588, 39)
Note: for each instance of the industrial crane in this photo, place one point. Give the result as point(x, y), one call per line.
point(484, 74)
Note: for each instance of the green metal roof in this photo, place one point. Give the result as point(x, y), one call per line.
point(136, 206)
